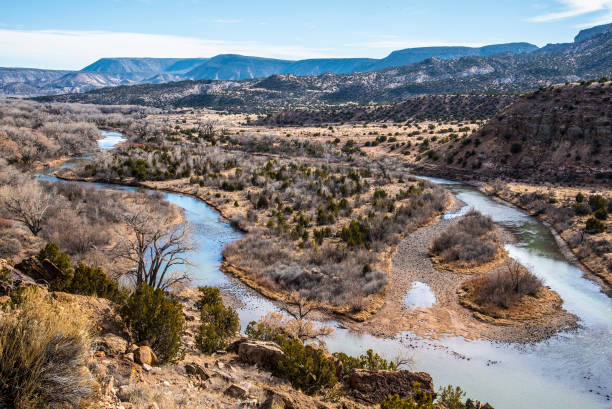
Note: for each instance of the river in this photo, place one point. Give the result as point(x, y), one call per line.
point(569, 371)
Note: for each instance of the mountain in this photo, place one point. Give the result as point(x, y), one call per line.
point(121, 71)
point(237, 67)
point(500, 73)
point(590, 32)
point(558, 133)
point(413, 55)
point(26, 81)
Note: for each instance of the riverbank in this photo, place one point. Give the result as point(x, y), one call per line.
point(447, 317)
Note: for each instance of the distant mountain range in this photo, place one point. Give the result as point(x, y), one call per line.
point(108, 72)
point(589, 57)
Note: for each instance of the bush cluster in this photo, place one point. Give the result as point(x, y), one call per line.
point(471, 240)
point(504, 288)
point(306, 367)
point(369, 360)
point(155, 318)
point(218, 321)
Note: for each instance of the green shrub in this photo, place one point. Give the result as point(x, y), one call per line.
point(581, 209)
point(595, 226)
point(356, 234)
point(87, 280)
point(597, 202)
point(579, 197)
point(218, 322)
point(307, 368)
point(451, 398)
point(369, 360)
point(156, 319)
point(419, 400)
point(52, 253)
point(601, 214)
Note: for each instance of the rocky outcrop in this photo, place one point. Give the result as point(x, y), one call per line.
point(261, 353)
point(375, 386)
point(470, 404)
point(40, 271)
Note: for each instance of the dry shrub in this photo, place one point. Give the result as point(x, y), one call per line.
point(506, 287)
point(44, 349)
point(143, 395)
point(472, 240)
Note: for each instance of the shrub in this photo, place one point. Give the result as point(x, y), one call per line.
point(597, 202)
point(505, 287)
point(419, 400)
point(581, 209)
point(471, 240)
point(595, 226)
point(52, 253)
point(579, 197)
point(87, 280)
point(218, 322)
point(44, 349)
point(306, 367)
point(601, 214)
point(369, 360)
point(451, 398)
point(156, 319)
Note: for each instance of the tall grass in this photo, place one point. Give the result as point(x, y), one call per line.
point(44, 349)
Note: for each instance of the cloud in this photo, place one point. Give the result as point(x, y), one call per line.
point(61, 49)
point(575, 8)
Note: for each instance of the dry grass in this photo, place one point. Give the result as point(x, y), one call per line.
point(142, 396)
point(44, 350)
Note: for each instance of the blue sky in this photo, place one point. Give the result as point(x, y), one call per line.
point(69, 34)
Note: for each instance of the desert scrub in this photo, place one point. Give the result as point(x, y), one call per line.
point(418, 400)
point(44, 350)
point(369, 360)
point(155, 318)
point(218, 322)
point(307, 367)
point(471, 241)
point(506, 287)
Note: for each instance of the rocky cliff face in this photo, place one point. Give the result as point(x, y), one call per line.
point(563, 132)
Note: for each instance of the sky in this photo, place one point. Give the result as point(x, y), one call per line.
point(70, 34)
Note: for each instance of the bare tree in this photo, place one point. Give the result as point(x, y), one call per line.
point(300, 326)
point(155, 245)
point(26, 202)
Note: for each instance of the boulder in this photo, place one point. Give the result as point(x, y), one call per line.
point(262, 353)
point(196, 370)
point(145, 355)
point(236, 391)
point(113, 344)
point(376, 386)
point(40, 271)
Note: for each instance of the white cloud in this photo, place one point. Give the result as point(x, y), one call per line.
point(76, 49)
point(574, 8)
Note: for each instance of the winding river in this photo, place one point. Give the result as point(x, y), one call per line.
point(569, 371)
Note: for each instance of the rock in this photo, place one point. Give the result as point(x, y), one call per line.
point(375, 386)
point(274, 401)
point(145, 355)
point(471, 404)
point(236, 391)
point(251, 403)
point(152, 405)
point(233, 347)
point(166, 383)
point(196, 370)
point(99, 354)
point(40, 271)
point(108, 385)
point(129, 356)
point(113, 344)
point(147, 367)
point(262, 353)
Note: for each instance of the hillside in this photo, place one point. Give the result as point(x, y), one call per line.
point(559, 133)
point(429, 107)
point(110, 72)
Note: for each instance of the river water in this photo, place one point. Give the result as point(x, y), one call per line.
point(569, 371)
